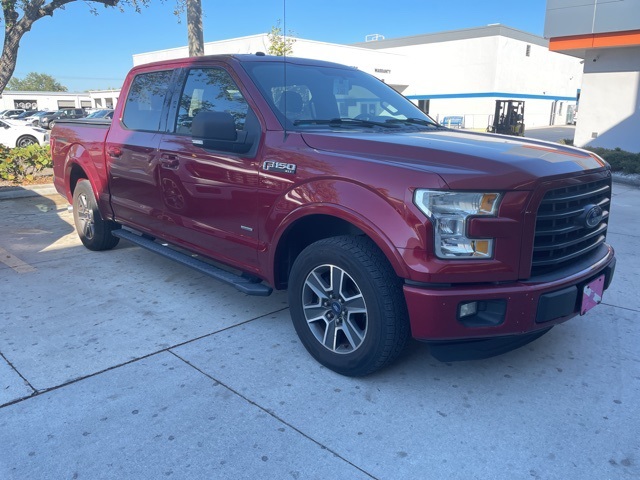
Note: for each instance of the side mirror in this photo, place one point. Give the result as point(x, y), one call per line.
point(217, 131)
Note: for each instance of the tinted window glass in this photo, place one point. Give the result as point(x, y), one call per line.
point(305, 96)
point(210, 90)
point(145, 101)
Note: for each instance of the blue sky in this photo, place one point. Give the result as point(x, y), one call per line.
point(84, 51)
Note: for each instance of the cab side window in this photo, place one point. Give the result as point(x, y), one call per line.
point(210, 90)
point(146, 100)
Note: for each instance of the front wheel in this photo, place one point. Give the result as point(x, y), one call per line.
point(26, 140)
point(93, 230)
point(347, 305)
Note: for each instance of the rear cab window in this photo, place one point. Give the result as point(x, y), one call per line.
point(145, 101)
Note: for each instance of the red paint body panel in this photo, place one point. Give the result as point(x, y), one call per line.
point(433, 311)
point(230, 208)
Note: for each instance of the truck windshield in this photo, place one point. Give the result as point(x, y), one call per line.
point(314, 96)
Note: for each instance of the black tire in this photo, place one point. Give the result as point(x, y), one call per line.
point(26, 140)
point(94, 232)
point(344, 289)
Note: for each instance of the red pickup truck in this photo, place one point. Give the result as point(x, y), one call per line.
point(318, 178)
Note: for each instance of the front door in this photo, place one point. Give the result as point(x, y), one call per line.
point(210, 196)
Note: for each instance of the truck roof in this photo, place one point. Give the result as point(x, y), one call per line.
point(239, 58)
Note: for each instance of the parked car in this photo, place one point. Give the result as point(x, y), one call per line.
point(105, 113)
point(34, 118)
point(22, 115)
point(11, 113)
point(49, 120)
point(18, 135)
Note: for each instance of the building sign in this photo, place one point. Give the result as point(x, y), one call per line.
point(26, 104)
point(383, 70)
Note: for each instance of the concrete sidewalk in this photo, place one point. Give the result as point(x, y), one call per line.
point(123, 365)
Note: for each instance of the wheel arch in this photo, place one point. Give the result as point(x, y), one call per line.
point(307, 229)
point(80, 165)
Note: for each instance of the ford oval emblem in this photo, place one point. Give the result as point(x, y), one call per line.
point(593, 216)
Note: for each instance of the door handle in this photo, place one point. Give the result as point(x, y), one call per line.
point(114, 152)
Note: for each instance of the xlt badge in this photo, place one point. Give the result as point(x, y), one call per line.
point(280, 167)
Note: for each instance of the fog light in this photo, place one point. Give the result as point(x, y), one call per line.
point(467, 309)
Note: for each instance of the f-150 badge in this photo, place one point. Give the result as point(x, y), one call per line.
point(280, 167)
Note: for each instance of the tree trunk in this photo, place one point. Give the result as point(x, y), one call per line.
point(194, 28)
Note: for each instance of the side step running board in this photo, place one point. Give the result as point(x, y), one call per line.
point(245, 285)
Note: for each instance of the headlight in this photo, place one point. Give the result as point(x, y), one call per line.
point(449, 213)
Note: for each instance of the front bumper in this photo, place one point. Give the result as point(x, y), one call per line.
point(513, 308)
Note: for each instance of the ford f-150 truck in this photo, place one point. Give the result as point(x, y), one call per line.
point(271, 173)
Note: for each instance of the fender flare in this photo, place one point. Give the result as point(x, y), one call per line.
point(388, 222)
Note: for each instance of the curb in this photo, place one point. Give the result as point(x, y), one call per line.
point(632, 180)
point(11, 193)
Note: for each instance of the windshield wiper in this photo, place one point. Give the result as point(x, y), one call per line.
point(414, 121)
point(343, 121)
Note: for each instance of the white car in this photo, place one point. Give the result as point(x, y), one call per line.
point(19, 135)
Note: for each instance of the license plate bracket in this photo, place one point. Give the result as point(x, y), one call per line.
point(592, 294)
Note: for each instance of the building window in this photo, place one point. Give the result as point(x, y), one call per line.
point(528, 50)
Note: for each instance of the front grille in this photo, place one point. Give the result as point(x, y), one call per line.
point(563, 234)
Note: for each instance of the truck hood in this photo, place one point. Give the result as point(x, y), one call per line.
point(463, 160)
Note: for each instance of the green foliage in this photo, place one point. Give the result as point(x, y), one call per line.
point(620, 161)
point(279, 43)
point(20, 164)
point(36, 82)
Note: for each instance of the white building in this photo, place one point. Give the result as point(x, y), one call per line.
point(51, 101)
point(606, 37)
point(104, 98)
point(459, 73)
point(463, 72)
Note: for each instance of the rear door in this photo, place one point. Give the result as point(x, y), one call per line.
point(210, 196)
point(131, 151)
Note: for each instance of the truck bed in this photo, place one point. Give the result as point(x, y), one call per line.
point(83, 142)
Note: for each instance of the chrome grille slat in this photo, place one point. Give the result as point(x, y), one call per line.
point(575, 197)
point(598, 231)
point(562, 235)
point(564, 229)
point(573, 255)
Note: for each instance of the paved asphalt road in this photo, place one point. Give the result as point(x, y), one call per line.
point(556, 133)
point(124, 365)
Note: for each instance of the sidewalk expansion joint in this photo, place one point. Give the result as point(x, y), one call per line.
point(272, 414)
point(37, 392)
point(19, 374)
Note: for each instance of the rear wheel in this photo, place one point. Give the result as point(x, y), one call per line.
point(93, 230)
point(347, 305)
